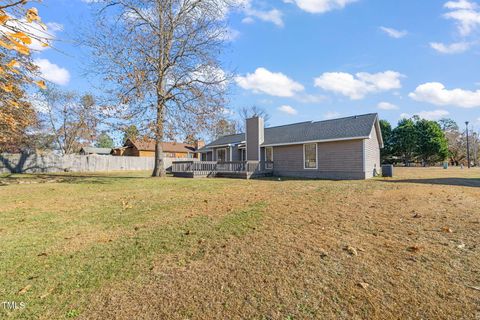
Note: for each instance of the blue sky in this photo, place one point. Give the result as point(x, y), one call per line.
point(317, 59)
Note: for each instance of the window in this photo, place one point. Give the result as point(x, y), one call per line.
point(243, 155)
point(268, 154)
point(222, 155)
point(310, 156)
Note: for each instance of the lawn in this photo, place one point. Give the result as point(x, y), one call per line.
point(128, 246)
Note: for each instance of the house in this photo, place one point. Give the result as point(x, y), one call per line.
point(97, 151)
point(146, 148)
point(346, 148)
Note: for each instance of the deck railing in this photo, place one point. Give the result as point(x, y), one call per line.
point(214, 167)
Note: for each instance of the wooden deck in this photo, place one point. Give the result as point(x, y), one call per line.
point(231, 169)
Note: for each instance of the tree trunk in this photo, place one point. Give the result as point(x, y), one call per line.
point(159, 169)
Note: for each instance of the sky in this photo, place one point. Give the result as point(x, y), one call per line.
point(303, 60)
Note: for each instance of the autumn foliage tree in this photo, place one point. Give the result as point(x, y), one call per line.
point(160, 58)
point(17, 70)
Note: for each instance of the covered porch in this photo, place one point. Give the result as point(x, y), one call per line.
point(227, 169)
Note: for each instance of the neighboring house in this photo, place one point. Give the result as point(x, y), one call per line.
point(346, 148)
point(98, 151)
point(146, 148)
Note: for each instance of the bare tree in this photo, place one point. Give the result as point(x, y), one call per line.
point(160, 59)
point(250, 112)
point(73, 120)
point(225, 127)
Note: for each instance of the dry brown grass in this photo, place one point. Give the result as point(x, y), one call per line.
point(413, 250)
point(295, 265)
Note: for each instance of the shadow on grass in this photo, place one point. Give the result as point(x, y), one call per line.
point(462, 182)
point(61, 178)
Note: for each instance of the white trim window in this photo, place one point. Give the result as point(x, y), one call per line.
point(310, 156)
point(222, 155)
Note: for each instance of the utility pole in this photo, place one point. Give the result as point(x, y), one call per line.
point(468, 147)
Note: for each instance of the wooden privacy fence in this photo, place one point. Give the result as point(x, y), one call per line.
point(241, 169)
point(38, 163)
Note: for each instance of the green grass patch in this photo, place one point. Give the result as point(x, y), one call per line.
point(139, 218)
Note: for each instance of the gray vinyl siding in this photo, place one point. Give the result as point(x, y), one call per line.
point(372, 154)
point(235, 153)
point(336, 160)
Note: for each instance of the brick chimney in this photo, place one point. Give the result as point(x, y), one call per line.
point(254, 132)
point(199, 144)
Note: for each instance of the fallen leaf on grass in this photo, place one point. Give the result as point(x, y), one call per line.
point(43, 296)
point(43, 254)
point(447, 230)
point(364, 285)
point(351, 250)
point(24, 290)
point(417, 215)
point(126, 205)
point(414, 248)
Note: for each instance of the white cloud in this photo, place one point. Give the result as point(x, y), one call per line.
point(310, 98)
point(320, 6)
point(465, 15)
point(397, 34)
point(288, 110)
point(357, 86)
point(228, 112)
point(457, 47)
point(460, 4)
point(39, 103)
point(428, 115)
point(331, 115)
point(210, 76)
point(248, 20)
point(52, 72)
point(272, 83)
point(436, 93)
point(36, 31)
point(54, 26)
point(274, 16)
point(387, 106)
point(230, 34)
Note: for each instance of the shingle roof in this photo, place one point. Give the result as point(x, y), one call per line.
point(149, 145)
point(335, 129)
point(232, 138)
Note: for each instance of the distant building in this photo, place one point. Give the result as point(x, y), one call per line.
point(98, 151)
point(146, 148)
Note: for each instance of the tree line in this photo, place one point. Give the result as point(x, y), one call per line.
point(427, 142)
